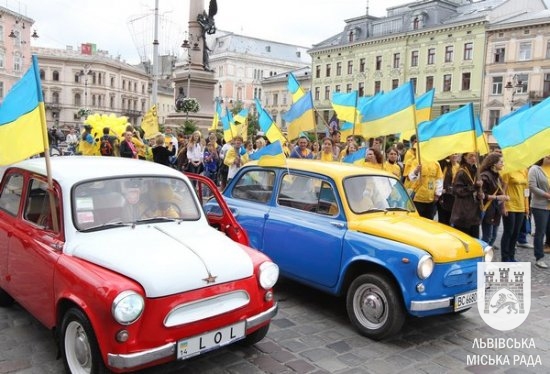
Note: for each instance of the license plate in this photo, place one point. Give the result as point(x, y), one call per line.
point(203, 343)
point(465, 300)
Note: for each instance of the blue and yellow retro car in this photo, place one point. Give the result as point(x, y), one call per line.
point(354, 231)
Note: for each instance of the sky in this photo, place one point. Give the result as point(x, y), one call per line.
point(126, 27)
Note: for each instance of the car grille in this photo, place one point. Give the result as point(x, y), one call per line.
point(206, 308)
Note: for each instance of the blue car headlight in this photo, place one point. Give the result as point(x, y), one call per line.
point(127, 307)
point(488, 253)
point(425, 267)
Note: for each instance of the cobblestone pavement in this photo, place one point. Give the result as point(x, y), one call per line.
point(312, 334)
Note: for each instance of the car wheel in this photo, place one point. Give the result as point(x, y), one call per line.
point(78, 344)
point(5, 298)
point(256, 336)
point(374, 306)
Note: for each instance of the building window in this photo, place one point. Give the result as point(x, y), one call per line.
point(318, 71)
point(547, 49)
point(349, 88)
point(55, 97)
point(500, 53)
point(445, 109)
point(414, 58)
point(429, 82)
point(362, 63)
point(525, 51)
point(378, 63)
point(112, 102)
point(416, 23)
point(275, 99)
point(338, 69)
point(328, 70)
point(523, 80)
point(350, 67)
point(377, 87)
point(431, 56)
point(2, 58)
point(43, 75)
point(468, 51)
point(1, 90)
point(546, 85)
point(396, 59)
point(494, 118)
point(327, 92)
point(394, 84)
point(466, 81)
point(361, 89)
point(496, 86)
point(337, 88)
point(447, 82)
point(449, 53)
point(414, 82)
point(317, 93)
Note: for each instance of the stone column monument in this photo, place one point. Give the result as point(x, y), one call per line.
point(194, 78)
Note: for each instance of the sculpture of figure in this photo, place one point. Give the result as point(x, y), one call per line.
point(208, 27)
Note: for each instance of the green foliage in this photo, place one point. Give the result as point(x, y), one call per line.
point(189, 127)
point(83, 112)
point(189, 105)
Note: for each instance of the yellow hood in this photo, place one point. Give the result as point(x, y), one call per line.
point(444, 243)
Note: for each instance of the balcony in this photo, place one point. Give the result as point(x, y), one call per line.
point(53, 106)
point(131, 113)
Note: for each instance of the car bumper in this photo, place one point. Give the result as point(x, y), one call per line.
point(426, 305)
point(132, 360)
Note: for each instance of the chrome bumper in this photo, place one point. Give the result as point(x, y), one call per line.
point(420, 306)
point(132, 360)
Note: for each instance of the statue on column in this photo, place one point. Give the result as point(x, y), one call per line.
point(208, 27)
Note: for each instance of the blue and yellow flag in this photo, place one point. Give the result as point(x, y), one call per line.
point(270, 155)
point(268, 126)
point(423, 107)
point(240, 124)
point(300, 116)
point(294, 88)
point(345, 106)
point(450, 133)
point(217, 116)
point(357, 157)
point(389, 113)
point(149, 124)
point(482, 144)
point(523, 137)
point(227, 125)
point(22, 119)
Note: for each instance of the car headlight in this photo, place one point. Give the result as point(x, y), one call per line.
point(269, 273)
point(425, 267)
point(127, 307)
point(488, 253)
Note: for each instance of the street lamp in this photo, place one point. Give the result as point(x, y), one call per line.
point(85, 73)
point(514, 84)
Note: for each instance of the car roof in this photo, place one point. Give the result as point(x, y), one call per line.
point(335, 170)
point(69, 170)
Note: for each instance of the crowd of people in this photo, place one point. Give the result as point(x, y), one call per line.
point(474, 196)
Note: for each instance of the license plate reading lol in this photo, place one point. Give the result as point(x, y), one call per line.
point(203, 343)
point(465, 300)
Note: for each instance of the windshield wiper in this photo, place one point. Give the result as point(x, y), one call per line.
point(158, 219)
point(397, 209)
point(107, 225)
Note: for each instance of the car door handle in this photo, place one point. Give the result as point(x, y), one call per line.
point(340, 225)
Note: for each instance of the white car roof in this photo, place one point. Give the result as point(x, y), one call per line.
point(68, 170)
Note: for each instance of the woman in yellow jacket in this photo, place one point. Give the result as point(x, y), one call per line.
point(426, 183)
point(516, 209)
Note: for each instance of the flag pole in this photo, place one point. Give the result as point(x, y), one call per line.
point(44, 127)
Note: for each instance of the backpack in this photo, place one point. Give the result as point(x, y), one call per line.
point(105, 147)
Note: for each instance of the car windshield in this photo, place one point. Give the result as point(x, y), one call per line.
point(374, 193)
point(115, 202)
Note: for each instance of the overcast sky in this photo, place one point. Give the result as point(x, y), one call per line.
point(125, 27)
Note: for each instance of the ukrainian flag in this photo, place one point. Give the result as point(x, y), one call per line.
point(240, 123)
point(482, 144)
point(357, 157)
point(450, 133)
point(270, 155)
point(294, 88)
point(227, 125)
point(523, 137)
point(268, 126)
point(217, 116)
point(423, 108)
point(390, 113)
point(301, 116)
point(23, 119)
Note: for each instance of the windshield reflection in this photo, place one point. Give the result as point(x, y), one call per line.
point(376, 193)
point(110, 202)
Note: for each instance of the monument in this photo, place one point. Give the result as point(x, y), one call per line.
point(194, 78)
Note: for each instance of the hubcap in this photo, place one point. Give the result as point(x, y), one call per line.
point(77, 349)
point(370, 306)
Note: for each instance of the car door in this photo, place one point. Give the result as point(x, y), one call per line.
point(304, 232)
point(33, 251)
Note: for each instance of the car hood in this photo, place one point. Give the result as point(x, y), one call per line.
point(166, 258)
point(444, 243)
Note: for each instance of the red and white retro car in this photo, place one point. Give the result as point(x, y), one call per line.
point(119, 260)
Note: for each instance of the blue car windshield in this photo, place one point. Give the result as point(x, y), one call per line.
point(372, 193)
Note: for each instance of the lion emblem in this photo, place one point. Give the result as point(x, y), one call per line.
point(504, 302)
